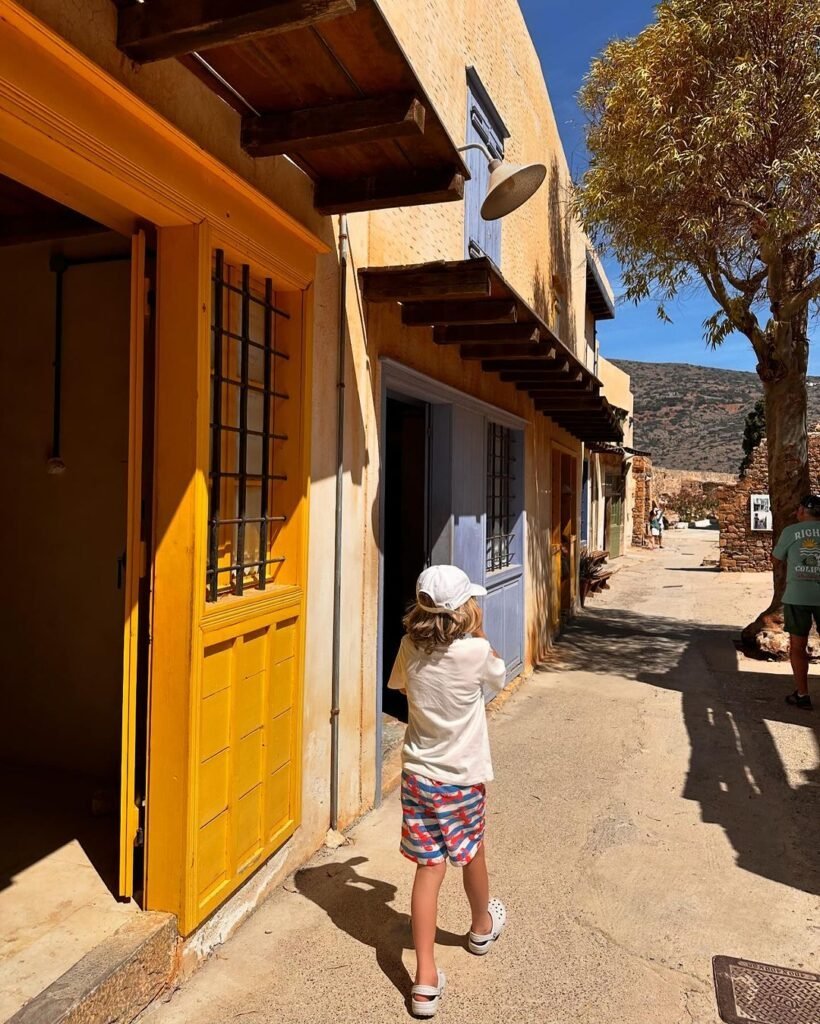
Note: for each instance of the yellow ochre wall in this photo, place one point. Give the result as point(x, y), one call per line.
point(543, 255)
point(544, 258)
point(62, 612)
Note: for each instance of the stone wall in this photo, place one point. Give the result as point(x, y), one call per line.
point(642, 484)
point(741, 548)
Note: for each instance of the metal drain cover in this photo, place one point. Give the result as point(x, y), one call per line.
point(753, 993)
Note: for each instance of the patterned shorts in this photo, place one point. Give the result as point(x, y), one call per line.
point(441, 820)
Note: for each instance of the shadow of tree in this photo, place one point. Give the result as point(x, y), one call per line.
point(360, 906)
point(737, 772)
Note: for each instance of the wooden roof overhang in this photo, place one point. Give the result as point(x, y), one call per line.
point(469, 304)
point(324, 82)
point(598, 300)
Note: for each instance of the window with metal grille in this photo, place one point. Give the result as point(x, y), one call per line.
point(246, 448)
point(501, 514)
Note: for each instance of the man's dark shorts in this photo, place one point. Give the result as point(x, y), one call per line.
point(798, 618)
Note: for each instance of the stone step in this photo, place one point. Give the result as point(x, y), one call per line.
point(115, 981)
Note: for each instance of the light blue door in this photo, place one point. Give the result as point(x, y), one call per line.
point(477, 483)
point(504, 544)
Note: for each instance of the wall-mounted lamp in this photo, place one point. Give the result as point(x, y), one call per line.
point(511, 185)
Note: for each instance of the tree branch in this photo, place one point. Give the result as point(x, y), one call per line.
point(797, 303)
point(737, 310)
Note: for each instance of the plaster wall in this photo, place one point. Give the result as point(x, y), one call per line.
point(62, 610)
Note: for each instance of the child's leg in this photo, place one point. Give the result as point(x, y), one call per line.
point(477, 887)
point(424, 916)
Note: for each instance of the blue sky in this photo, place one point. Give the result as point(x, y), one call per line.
point(567, 35)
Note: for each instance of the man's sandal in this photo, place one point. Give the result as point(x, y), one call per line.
point(480, 944)
point(427, 1007)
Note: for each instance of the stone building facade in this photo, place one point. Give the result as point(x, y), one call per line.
point(743, 549)
point(642, 489)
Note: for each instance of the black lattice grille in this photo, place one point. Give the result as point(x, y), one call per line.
point(244, 439)
point(500, 498)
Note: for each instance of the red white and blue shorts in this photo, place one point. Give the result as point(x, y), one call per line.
point(441, 820)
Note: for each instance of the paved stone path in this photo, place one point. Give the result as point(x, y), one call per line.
point(656, 804)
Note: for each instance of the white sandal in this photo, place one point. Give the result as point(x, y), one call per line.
point(427, 1007)
point(480, 944)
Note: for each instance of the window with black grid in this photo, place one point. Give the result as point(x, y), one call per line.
point(501, 514)
point(246, 447)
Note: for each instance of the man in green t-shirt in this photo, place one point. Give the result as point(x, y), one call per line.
point(799, 547)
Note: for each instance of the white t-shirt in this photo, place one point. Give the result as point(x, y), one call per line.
point(446, 737)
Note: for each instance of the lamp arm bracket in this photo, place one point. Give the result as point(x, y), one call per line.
point(480, 147)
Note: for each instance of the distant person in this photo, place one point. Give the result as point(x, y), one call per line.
point(656, 527)
point(799, 547)
point(444, 665)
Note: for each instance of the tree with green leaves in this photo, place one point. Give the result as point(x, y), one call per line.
point(704, 136)
point(754, 430)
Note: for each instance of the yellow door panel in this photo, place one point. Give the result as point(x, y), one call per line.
point(214, 788)
point(249, 762)
point(278, 800)
point(250, 702)
point(129, 811)
point(281, 736)
point(248, 765)
point(212, 857)
point(281, 687)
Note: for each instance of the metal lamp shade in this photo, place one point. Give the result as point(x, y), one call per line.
point(510, 187)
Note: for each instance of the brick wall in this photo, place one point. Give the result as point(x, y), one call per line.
point(642, 483)
point(741, 548)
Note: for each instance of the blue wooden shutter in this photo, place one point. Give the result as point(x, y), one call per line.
point(481, 237)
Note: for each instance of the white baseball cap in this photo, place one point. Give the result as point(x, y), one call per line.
point(448, 587)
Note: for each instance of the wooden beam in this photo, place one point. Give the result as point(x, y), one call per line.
point(159, 29)
point(385, 191)
point(488, 334)
point(337, 124)
point(517, 369)
point(545, 394)
point(560, 405)
point(545, 379)
point(424, 283)
point(43, 227)
point(488, 311)
point(506, 351)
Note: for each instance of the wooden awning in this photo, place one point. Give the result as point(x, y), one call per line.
point(468, 303)
point(598, 301)
point(324, 82)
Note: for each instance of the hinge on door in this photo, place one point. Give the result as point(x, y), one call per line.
point(139, 838)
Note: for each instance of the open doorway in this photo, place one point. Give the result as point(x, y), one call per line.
point(406, 539)
point(66, 387)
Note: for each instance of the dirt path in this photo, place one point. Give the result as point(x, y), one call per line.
point(656, 803)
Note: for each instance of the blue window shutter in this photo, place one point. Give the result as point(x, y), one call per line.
point(481, 237)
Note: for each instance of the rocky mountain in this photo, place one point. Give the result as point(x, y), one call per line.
point(692, 417)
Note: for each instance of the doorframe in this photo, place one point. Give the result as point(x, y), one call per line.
point(396, 377)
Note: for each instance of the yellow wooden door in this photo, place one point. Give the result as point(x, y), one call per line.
point(134, 569)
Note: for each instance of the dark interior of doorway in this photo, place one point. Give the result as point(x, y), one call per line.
point(66, 337)
point(405, 538)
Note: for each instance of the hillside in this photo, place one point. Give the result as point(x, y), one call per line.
point(692, 417)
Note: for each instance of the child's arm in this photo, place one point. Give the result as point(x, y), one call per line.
point(483, 636)
point(398, 675)
point(494, 671)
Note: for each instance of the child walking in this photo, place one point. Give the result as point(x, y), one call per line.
point(444, 665)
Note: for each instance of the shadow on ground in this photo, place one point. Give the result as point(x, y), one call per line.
point(736, 772)
point(361, 907)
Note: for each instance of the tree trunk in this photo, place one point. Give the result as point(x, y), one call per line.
point(784, 387)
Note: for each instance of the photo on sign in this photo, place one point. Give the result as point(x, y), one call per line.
point(761, 513)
